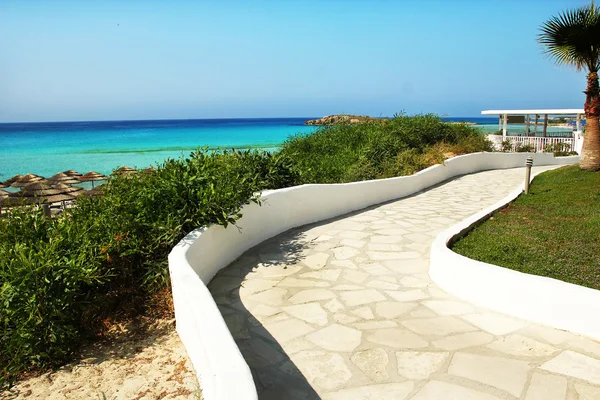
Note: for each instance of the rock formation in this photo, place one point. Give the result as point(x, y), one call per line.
point(340, 119)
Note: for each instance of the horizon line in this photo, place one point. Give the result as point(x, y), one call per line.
point(205, 119)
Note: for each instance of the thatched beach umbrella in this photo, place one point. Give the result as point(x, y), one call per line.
point(61, 177)
point(12, 180)
point(149, 170)
point(2, 185)
point(72, 173)
point(97, 191)
point(36, 189)
point(93, 177)
point(72, 190)
point(124, 171)
point(26, 180)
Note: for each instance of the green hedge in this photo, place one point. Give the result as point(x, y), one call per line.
point(381, 149)
point(60, 277)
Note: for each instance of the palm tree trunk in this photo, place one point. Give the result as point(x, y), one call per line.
point(590, 154)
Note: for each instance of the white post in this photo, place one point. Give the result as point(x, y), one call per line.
point(535, 124)
point(578, 123)
point(504, 122)
point(545, 124)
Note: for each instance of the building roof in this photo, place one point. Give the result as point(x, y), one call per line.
point(552, 111)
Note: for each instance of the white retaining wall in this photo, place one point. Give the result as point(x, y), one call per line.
point(220, 367)
point(539, 299)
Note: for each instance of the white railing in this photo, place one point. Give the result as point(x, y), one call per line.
point(539, 144)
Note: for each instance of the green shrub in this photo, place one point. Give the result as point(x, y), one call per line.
point(60, 277)
point(506, 146)
point(473, 144)
point(350, 152)
point(559, 149)
point(47, 278)
point(525, 148)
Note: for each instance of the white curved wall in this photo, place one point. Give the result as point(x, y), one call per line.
point(535, 298)
point(221, 368)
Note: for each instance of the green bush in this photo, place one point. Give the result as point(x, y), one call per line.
point(524, 148)
point(559, 149)
point(381, 149)
point(506, 146)
point(59, 277)
point(47, 278)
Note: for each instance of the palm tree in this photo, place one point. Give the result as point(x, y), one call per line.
point(573, 38)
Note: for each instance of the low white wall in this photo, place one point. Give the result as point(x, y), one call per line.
point(221, 368)
point(539, 299)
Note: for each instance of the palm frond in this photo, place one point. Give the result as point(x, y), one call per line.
point(573, 37)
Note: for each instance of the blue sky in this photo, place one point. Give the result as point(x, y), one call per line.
point(102, 60)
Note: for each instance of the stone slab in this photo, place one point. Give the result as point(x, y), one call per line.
point(576, 365)
point(419, 365)
point(502, 373)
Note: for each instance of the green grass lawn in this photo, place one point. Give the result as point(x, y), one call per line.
point(554, 231)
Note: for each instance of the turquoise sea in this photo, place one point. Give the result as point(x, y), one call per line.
point(48, 148)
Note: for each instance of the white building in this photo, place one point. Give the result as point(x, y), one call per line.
point(536, 128)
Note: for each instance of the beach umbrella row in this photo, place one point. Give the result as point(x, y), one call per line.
point(42, 192)
point(37, 193)
point(70, 177)
point(35, 189)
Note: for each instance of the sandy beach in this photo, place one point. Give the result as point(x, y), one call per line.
point(148, 366)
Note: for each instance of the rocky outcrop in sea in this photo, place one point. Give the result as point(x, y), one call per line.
point(341, 119)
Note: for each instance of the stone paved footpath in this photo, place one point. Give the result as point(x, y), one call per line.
point(345, 309)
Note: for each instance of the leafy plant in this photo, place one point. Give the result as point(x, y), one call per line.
point(506, 146)
point(559, 149)
point(380, 149)
point(524, 148)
